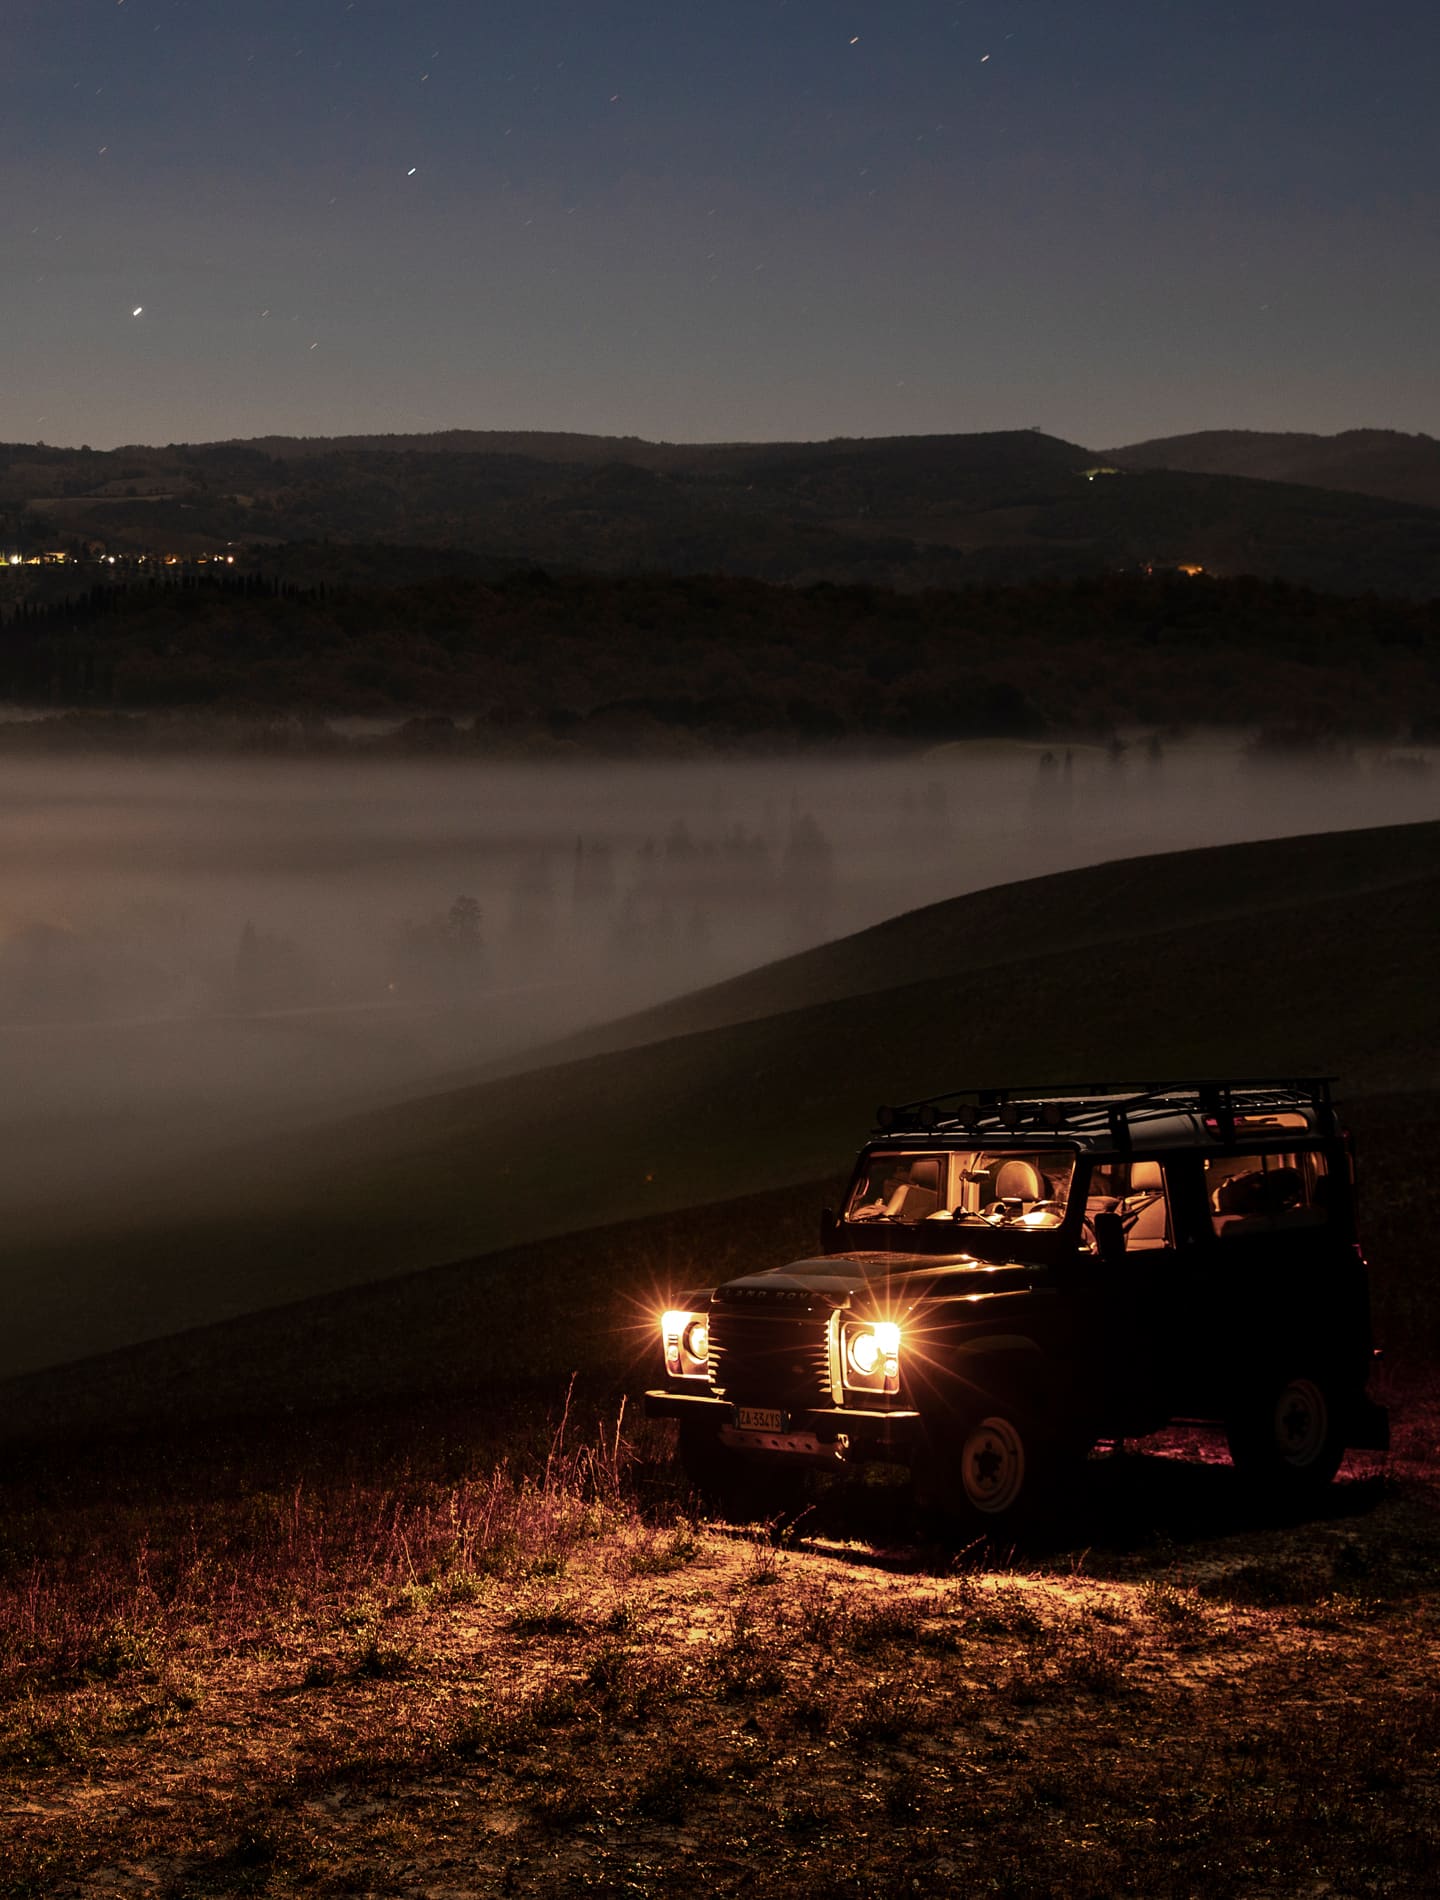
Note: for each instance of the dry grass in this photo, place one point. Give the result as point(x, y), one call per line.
point(517, 1665)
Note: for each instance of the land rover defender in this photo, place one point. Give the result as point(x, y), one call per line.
point(1017, 1275)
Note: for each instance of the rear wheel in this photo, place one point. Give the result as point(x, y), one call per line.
point(1286, 1440)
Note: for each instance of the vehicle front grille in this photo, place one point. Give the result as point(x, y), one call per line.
point(773, 1359)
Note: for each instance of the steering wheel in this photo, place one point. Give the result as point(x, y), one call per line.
point(1003, 1213)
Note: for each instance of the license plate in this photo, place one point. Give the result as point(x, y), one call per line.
point(757, 1418)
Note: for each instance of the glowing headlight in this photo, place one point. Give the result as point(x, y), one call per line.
point(864, 1352)
point(695, 1341)
point(872, 1353)
point(686, 1338)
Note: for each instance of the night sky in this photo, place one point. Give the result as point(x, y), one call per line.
point(704, 219)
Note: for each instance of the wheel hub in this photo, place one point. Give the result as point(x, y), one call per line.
point(1302, 1422)
point(992, 1465)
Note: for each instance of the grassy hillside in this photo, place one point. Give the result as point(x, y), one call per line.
point(1340, 977)
point(420, 1652)
point(356, 1598)
point(1383, 462)
point(1073, 910)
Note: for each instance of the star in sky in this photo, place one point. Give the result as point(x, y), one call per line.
point(1088, 243)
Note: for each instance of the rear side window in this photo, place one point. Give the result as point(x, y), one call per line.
point(1266, 1193)
point(1144, 1208)
point(1135, 1191)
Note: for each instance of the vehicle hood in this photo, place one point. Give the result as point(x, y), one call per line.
point(840, 1278)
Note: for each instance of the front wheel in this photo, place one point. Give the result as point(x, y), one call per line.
point(1286, 1439)
point(995, 1475)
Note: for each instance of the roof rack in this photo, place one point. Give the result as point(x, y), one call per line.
point(1087, 1107)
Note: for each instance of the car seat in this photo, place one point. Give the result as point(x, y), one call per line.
point(1144, 1207)
point(920, 1196)
point(1019, 1181)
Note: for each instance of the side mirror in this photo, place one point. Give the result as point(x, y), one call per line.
point(1110, 1238)
point(828, 1224)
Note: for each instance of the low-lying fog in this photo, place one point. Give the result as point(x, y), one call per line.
point(193, 952)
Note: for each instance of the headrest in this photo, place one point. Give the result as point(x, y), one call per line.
point(1260, 1191)
point(1145, 1177)
point(925, 1174)
point(1284, 1187)
point(1018, 1181)
point(1241, 1193)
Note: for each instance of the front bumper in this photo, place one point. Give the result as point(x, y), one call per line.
point(840, 1431)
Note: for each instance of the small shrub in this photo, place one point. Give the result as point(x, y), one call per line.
point(821, 1613)
point(552, 1619)
point(375, 1661)
point(628, 1684)
point(45, 1744)
point(117, 1649)
point(410, 1600)
point(1097, 1662)
point(748, 1662)
point(462, 1586)
point(1007, 1612)
point(623, 1621)
point(657, 1556)
point(1178, 1609)
point(669, 1793)
point(764, 1569)
point(887, 1623)
point(886, 1711)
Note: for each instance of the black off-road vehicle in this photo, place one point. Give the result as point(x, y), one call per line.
point(1018, 1275)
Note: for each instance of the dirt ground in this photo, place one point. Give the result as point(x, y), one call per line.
point(592, 1696)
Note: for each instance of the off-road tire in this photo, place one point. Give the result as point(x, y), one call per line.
point(1287, 1438)
point(997, 1475)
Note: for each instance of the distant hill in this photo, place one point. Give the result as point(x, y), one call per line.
point(1381, 462)
point(536, 445)
point(1297, 956)
point(1083, 910)
point(907, 511)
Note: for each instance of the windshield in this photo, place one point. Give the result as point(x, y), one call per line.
point(997, 1186)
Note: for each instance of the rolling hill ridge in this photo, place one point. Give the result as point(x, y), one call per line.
point(1042, 983)
point(1382, 462)
point(921, 511)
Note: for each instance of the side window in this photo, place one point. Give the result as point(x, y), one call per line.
point(1136, 1192)
point(1266, 1193)
point(1145, 1208)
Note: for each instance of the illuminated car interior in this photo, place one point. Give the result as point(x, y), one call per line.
point(997, 1186)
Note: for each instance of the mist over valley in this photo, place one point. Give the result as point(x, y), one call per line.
point(199, 956)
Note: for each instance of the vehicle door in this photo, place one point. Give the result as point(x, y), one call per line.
point(1161, 1321)
point(1280, 1267)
